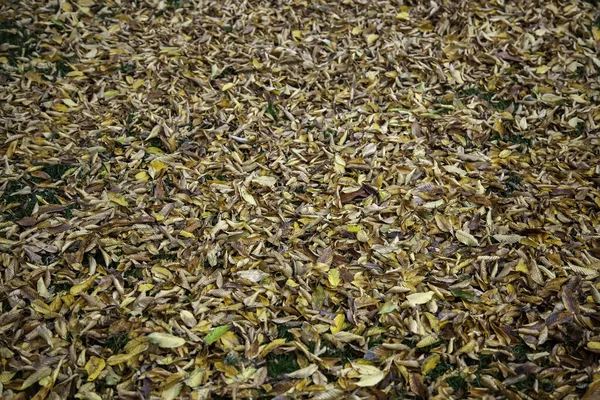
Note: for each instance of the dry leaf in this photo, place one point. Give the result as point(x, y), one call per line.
point(166, 340)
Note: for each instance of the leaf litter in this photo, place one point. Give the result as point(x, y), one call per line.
point(299, 199)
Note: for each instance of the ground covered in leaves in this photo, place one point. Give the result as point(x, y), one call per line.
point(299, 199)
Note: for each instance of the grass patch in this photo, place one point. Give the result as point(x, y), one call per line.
point(439, 370)
point(56, 171)
point(345, 354)
point(272, 111)
point(25, 203)
point(457, 382)
point(547, 385)
point(164, 256)
point(60, 287)
point(62, 68)
point(135, 273)
point(520, 352)
point(283, 332)
point(281, 364)
point(495, 103)
point(18, 38)
point(227, 71)
point(117, 341)
point(125, 68)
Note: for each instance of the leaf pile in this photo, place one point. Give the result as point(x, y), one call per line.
point(299, 199)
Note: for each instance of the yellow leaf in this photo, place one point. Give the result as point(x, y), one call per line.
point(427, 341)
point(334, 277)
point(118, 359)
point(94, 367)
point(356, 30)
point(467, 348)
point(372, 38)
point(542, 69)
point(196, 378)
point(430, 363)
point(166, 340)
point(596, 32)
point(3, 60)
point(155, 151)
point(137, 83)
point(505, 153)
point(594, 346)
point(115, 198)
point(339, 321)
point(403, 16)
point(297, 34)
point(522, 268)
point(142, 176)
point(61, 107)
point(111, 93)
point(187, 234)
point(145, 287)
point(419, 298)
point(256, 63)
point(161, 272)
point(272, 346)
point(157, 165)
point(227, 86)
point(353, 228)
point(172, 392)
point(83, 286)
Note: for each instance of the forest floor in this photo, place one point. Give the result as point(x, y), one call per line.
point(299, 199)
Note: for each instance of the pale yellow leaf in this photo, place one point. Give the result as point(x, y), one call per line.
point(248, 198)
point(195, 378)
point(70, 102)
point(265, 181)
point(304, 372)
point(368, 374)
point(166, 340)
point(172, 392)
point(466, 238)
point(551, 98)
point(419, 298)
point(115, 198)
point(254, 275)
point(542, 69)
